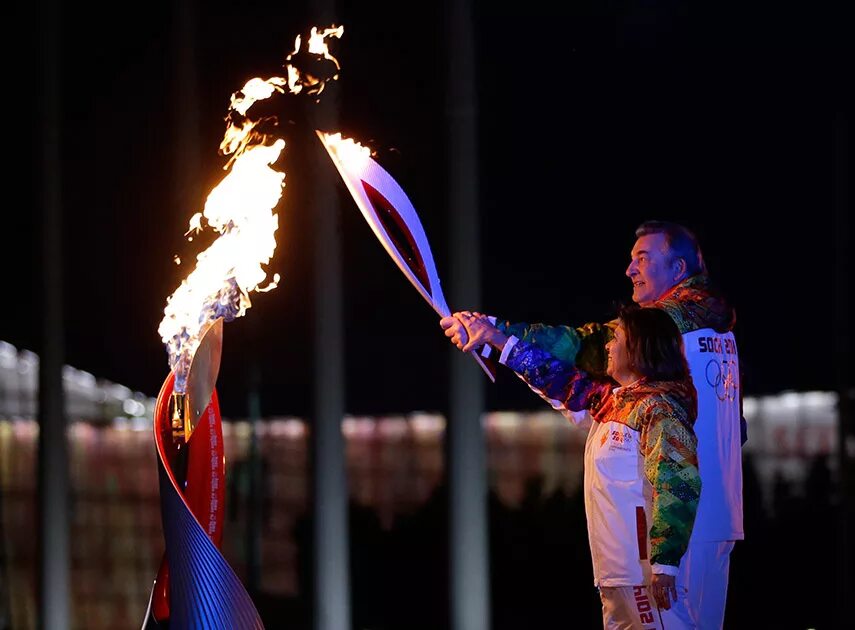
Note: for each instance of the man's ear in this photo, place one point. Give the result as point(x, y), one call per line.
point(680, 268)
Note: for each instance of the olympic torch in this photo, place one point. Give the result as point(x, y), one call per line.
point(394, 221)
point(195, 587)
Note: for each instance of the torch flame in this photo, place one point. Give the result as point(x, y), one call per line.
point(347, 150)
point(318, 42)
point(317, 46)
point(240, 209)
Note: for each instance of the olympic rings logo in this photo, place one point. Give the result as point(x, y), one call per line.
point(723, 378)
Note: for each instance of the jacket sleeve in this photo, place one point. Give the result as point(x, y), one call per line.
point(562, 384)
point(671, 466)
point(584, 346)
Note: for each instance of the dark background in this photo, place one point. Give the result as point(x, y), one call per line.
point(593, 117)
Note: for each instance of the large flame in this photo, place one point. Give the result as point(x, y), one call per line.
point(240, 208)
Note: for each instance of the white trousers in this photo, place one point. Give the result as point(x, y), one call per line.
point(704, 570)
point(633, 608)
point(701, 595)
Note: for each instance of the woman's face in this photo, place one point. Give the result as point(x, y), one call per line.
point(619, 366)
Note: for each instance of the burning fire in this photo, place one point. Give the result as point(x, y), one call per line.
point(346, 149)
point(240, 208)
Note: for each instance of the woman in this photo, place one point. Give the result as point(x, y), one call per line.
point(641, 468)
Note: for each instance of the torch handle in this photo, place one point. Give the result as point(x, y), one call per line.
point(488, 365)
point(489, 371)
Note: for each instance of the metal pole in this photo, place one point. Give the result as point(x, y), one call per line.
point(331, 548)
point(254, 498)
point(330, 497)
point(53, 472)
point(843, 340)
point(185, 90)
point(466, 457)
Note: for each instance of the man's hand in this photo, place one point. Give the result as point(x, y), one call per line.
point(454, 330)
point(480, 331)
point(664, 589)
point(469, 331)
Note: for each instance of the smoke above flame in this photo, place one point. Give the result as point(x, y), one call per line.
point(241, 210)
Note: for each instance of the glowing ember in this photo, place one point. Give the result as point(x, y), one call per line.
point(240, 209)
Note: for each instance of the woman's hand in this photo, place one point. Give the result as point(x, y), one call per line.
point(664, 589)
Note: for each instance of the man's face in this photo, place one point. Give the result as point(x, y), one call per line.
point(653, 270)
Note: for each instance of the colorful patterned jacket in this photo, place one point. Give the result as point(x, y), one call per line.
point(692, 305)
point(662, 414)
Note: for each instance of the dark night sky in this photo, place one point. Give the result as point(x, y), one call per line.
point(594, 117)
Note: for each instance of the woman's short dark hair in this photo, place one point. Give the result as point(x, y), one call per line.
point(654, 344)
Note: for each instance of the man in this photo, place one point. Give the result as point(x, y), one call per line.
point(667, 272)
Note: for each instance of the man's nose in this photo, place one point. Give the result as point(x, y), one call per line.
point(630, 270)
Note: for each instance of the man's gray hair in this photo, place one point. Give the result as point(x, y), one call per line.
point(680, 240)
